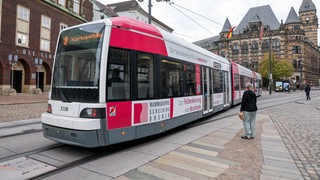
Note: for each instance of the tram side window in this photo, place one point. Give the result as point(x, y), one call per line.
point(145, 69)
point(257, 85)
point(237, 82)
point(190, 80)
point(118, 75)
point(217, 81)
point(170, 78)
point(243, 81)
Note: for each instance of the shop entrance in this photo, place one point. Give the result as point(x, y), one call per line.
point(17, 80)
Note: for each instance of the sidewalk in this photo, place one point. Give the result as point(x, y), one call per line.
point(24, 98)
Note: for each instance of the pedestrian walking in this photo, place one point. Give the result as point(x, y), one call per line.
point(307, 90)
point(249, 107)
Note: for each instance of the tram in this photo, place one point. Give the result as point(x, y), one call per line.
point(118, 79)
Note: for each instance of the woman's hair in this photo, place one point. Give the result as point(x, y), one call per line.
point(249, 85)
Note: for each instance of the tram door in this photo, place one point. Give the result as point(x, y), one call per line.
point(226, 89)
point(207, 88)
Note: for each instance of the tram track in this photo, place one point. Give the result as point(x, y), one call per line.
point(31, 152)
point(19, 129)
point(94, 154)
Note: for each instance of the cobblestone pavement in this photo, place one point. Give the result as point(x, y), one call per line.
point(22, 106)
point(9, 112)
point(299, 127)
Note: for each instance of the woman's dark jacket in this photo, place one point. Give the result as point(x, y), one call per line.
point(249, 101)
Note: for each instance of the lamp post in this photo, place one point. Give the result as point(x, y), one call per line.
point(270, 68)
point(150, 6)
point(13, 60)
point(38, 63)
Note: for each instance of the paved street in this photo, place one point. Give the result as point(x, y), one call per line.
point(299, 128)
point(22, 106)
point(287, 145)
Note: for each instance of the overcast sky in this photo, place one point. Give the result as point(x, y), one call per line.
point(215, 10)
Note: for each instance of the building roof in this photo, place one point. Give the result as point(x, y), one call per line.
point(261, 13)
point(133, 5)
point(292, 17)
point(226, 26)
point(105, 9)
point(307, 5)
point(207, 41)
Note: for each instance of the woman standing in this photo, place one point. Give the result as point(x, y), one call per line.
point(249, 107)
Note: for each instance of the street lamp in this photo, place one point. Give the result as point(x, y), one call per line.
point(150, 6)
point(270, 68)
point(38, 63)
point(13, 60)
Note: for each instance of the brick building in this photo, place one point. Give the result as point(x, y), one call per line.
point(28, 35)
point(294, 40)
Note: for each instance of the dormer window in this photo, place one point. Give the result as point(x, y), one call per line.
point(306, 6)
point(296, 26)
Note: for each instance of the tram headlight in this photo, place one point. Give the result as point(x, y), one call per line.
point(93, 113)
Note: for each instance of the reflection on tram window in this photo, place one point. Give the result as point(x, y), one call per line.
point(118, 84)
point(145, 76)
point(170, 77)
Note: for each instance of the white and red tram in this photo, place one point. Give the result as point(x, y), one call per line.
point(119, 79)
point(240, 76)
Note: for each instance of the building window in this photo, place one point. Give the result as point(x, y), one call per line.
point(235, 49)
point(62, 2)
point(22, 39)
point(296, 49)
point(265, 46)
point(76, 6)
point(45, 33)
point(276, 45)
point(22, 24)
point(255, 65)
point(296, 26)
point(45, 45)
point(23, 13)
point(255, 47)
point(244, 48)
point(295, 64)
point(63, 26)
point(45, 22)
point(222, 54)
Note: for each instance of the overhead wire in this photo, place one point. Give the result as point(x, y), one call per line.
point(170, 3)
point(198, 14)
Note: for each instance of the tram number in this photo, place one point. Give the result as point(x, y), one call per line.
point(63, 108)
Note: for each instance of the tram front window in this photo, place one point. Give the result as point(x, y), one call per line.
point(77, 64)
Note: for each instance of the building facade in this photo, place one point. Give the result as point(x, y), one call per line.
point(295, 40)
point(28, 35)
point(101, 11)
